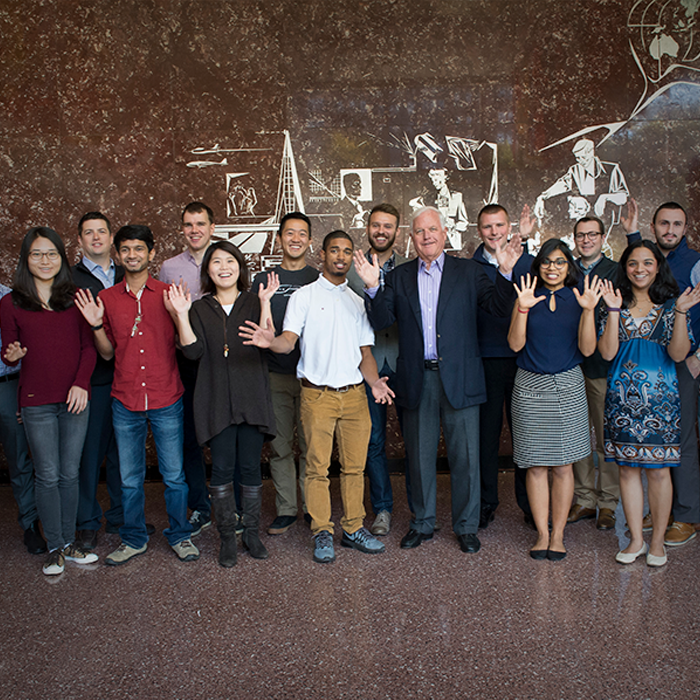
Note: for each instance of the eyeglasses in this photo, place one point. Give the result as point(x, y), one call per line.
point(590, 235)
point(558, 263)
point(37, 255)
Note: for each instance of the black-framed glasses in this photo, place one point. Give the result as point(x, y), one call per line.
point(590, 235)
point(558, 263)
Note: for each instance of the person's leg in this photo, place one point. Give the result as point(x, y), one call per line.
point(562, 494)
point(249, 446)
point(608, 472)
point(223, 461)
point(130, 431)
point(586, 494)
point(660, 502)
point(632, 492)
point(490, 426)
point(301, 441)
point(42, 430)
point(114, 516)
point(353, 429)
point(166, 425)
point(319, 414)
point(538, 496)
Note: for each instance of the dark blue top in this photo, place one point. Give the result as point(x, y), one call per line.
point(552, 337)
point(681, 261)
point(493, 330)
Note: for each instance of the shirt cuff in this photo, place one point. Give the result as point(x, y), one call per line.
point(372, 292)
point(509, 276)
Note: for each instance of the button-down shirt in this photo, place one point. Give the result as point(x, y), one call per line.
point(4, 369)
point(183, 268)
point(428, 294)
point(145, 369)
point(106, 277)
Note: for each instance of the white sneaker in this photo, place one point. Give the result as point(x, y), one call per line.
point(79, 556)
point(54, 564)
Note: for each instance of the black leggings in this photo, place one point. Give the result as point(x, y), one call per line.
point(238, 445)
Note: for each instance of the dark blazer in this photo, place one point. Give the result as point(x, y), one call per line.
point(84, 279)
point(464, 287)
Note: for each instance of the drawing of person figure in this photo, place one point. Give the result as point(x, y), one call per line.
point(600, 183)
point(242, 200)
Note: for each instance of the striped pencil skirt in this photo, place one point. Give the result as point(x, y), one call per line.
point(550, 419)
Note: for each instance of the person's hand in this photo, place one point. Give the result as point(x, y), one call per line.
point(631, 222)
point(14, 352)
point(509, 255)
point(253, 334)
point(265, 293)
point(589, 298)
point(526, 292)
point(92, 309)
point(368, 273)
point(688, 299)
point(527, 223)
point(177, 300)
point(77, 400)
point(381, 391)
point(611, 296)
point(693, 365)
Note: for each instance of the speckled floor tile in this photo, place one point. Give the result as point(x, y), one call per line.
point(425, 623)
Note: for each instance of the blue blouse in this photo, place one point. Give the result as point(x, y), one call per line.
point(552, 336)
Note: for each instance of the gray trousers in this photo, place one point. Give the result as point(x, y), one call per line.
point(421, 435)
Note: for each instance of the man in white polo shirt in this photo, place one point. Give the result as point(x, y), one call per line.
point(335, 338)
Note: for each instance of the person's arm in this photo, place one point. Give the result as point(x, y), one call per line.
point(178, 304)
point(265, 338)
point(517, 333)
point(679, 347)
point(509, 255)
point(379, 385)
point(93, 312)
point(630, 222)
point(12, 349)
point(588, 300)
point(78, 395)
point(609, 341)
point(265, 294)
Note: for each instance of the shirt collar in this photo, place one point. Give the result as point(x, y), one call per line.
point(92, 266)
point(327, 284)
point(438, 263)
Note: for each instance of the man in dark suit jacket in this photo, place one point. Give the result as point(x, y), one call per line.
point(440, 378)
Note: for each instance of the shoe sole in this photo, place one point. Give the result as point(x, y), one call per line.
point(52, 573)
point(112, 562)
point(324, 561)
point(680, 544)
point(377, 533)
point(189, 557)
point(606, 527)
point(280, 530)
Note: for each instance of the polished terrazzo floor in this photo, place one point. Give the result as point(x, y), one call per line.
point(424, 623)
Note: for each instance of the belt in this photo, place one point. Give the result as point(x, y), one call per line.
point(340, 389)
point(433, 365)
point(9, 377)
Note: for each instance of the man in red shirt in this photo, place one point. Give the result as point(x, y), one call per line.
point(131, 324)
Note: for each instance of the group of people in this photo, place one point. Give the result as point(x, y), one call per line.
point(95, 353)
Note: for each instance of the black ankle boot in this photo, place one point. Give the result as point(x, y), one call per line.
point(252, 502)
point(224, 505)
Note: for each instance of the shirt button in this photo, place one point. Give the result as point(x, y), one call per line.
point(143, 368)
point(141, 350)
point(143, 383)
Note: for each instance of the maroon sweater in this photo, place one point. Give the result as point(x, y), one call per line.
point(60, 351)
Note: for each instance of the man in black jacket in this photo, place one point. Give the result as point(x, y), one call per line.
point(96, 271)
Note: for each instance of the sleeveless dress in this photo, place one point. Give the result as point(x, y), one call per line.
point(642, 404)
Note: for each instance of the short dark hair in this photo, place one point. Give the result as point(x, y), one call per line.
point(24, 294)
point(197, 208)
point(134, 232)
point(670, 205)
point(207, 284)
point(663, 288)
point(573, 274)
point(491, 209)
point(336, 234)
point(294, 215)
point(93, 215)
point(590, 219)
point(386, 208)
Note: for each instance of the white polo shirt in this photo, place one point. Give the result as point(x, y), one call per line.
point(332, 326)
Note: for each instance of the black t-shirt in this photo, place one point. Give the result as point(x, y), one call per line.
point(290, 281)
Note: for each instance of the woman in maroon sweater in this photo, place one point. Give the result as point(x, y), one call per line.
point(42, 327)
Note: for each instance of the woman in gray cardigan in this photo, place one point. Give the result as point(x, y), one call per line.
point(232, 406)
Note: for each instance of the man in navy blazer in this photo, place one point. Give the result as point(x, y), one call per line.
point(440, 377)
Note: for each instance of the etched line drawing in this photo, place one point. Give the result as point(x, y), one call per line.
point(205, 163)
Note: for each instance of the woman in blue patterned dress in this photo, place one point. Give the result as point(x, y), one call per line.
point(644, 332)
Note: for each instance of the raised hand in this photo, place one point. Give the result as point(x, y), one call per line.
point(265, 293)
point(591, 294)
point(527, 223)
point(92, 309)
point(631, 222)
point(253, 334)
point(177, 299)
point(381, 391)
point(14, 352)
point(526, 292)
point(611, 296)
point(688, 299)
point(509, 254)
point(368, 273)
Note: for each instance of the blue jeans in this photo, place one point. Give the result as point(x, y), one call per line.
point(56, 440)
point(131, 429)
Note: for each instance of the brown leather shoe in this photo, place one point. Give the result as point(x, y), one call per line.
point(679, 533)
point(578, 512)
point(606, 519)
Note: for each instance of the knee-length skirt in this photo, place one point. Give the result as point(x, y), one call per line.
point(550, 419)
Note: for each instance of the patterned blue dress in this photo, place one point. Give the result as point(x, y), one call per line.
point(642, 404)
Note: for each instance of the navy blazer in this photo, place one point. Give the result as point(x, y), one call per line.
point(464, 287)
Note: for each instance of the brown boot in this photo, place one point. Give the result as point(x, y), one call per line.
point(224, 505)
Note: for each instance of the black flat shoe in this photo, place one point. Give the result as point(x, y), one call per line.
point(469, 544)
point(538, 553)
point(414, 538)
point(555, 556)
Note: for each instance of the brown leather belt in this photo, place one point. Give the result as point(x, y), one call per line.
point(340, 389)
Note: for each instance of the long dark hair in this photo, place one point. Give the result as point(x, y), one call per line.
point(24, 293)
point(573, 275)
point(663, 288)
point(206, 282)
